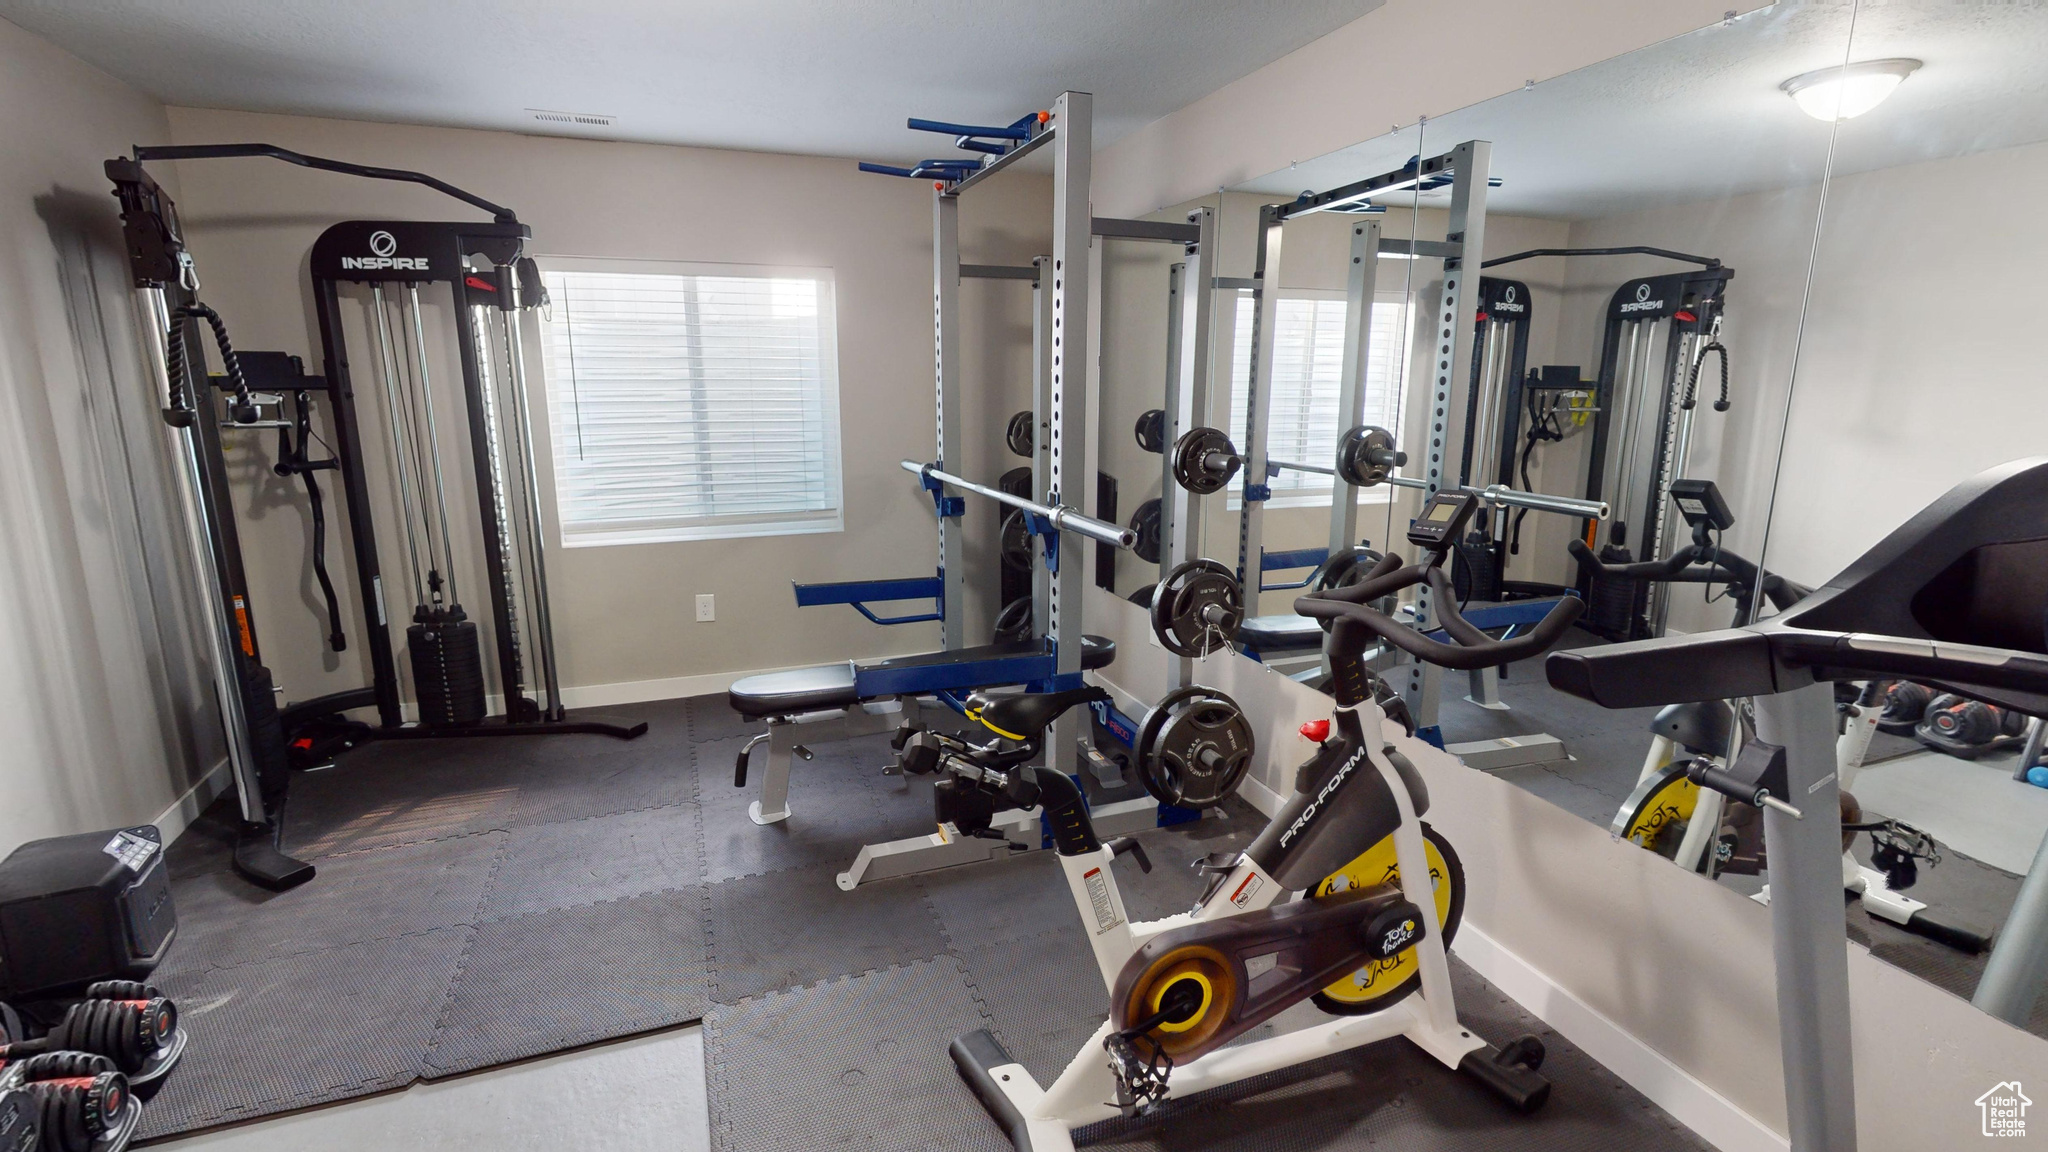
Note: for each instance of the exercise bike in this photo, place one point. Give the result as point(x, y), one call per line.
point(1346, 899)
point(1701, 830)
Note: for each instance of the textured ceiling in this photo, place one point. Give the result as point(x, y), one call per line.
point(1700, 116)
point(827, 77)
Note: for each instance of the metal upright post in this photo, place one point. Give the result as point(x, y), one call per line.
point(1451, 358)
point(1041, 408)
point(946, 348)
point(1265, 314)
point(1190, 326)
point(2017, 972)
point(1175, 503)
point(1808, 935)
point(1067, 414)
point(1359, 289)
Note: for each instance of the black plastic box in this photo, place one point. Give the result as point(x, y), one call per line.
point(75, 909)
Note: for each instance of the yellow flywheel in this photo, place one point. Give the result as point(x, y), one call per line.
point(1382, 982)
point(1655, 815)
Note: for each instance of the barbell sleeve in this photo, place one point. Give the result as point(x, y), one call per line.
point(1059, 516)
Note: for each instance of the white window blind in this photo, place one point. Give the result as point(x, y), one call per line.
point(692, 405)
point(1308, 358)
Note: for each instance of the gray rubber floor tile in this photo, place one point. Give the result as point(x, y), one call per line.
point(1175, 883)
point(784, 929)
point(1001, 900)
point(833, 811)
point(1043, 993)
point(558, 978)
point(223, 920)
point(571, 863)
point(711, 718)
point(301, 1030)
point(854, 1063)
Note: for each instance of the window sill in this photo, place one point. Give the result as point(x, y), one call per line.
point(698, 533)
point(1372, 496)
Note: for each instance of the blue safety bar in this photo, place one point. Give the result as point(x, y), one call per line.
point(858, 592)
point(987, 139)
point(1288, 561)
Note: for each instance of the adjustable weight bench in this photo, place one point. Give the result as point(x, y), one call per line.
point(838, 701)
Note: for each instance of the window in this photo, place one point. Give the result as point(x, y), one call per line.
point(692, 402)
point(1308, 358)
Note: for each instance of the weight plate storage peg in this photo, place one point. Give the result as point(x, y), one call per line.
point(1145, 522)
point(1196, 609)
point(1151, 430)
point(1194, 747)
point(1366, 456)
point(1204, 460)
point(1022, 434)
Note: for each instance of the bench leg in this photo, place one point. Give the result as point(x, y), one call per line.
point(773, 804)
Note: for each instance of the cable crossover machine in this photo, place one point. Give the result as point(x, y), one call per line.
point(390, 265)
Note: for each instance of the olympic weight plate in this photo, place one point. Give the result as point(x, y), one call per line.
point(1191, 468)
point(1197, 608)
point(1013, 622)
point(1016, 545)
point(1017, 482)
point(1366, 456)
point(1194, 747)
point(1344, 569)
point(1151, 430)
point(1145, 522)
point(1021, 434)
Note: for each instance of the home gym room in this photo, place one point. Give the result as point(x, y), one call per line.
point(1335, 574)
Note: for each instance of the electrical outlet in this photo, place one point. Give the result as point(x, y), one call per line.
point(704, 608)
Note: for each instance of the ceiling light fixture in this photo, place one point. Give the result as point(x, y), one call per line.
point(1849, 90)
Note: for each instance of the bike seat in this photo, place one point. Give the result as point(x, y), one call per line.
point(1025, 715)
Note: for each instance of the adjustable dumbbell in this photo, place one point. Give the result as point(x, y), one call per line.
point(129, 1030)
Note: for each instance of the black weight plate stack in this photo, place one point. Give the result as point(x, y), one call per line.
point(447, 667)
point(1476, 575)
point(1017, 482)
point(1614, 603)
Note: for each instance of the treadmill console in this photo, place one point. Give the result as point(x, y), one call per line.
point(1701, 503)
point(1442, 519)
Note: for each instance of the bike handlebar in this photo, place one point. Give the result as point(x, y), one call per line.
point(1696, 565)
point(1474, 648)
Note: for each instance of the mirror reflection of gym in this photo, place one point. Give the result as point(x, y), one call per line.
point(1684, 282)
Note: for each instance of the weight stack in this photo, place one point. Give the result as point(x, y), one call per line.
point(447, 666)
point(1614, 603)
point(1476, 575)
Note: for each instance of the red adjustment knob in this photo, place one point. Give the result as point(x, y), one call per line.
point(1316, 730)
point(1684, 317)
point(938, 185)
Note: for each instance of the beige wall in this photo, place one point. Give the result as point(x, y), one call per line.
point(105, 720)
point(1406, 59)
point(624, 615)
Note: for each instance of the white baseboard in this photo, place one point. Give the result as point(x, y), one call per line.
point(173, 820)
point(1709, 1114)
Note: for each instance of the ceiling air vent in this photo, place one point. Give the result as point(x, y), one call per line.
point(581, 119)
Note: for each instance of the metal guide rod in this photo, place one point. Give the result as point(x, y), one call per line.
point(522, 431)
point(494, 502)
point(401, 436)
point(419, 339)
point(1058, 515)
point(199, 531)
